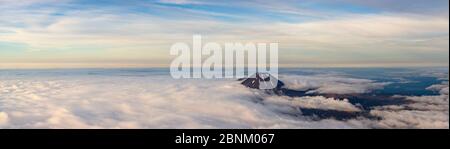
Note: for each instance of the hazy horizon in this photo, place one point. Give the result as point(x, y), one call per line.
point(115, 66)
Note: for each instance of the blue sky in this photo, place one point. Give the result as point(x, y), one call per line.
point(139, 33)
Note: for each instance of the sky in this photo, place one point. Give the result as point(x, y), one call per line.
point(139, 33)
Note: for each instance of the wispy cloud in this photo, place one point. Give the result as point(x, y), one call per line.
point(307, 32)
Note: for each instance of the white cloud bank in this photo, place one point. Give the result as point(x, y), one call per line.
point(160, 102)
point(331, 84)
point(139, 102)
point(423, 112)
point(313, 102)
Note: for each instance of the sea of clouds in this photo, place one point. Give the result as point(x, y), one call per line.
point(158, 101)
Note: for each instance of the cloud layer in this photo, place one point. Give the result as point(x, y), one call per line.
point(424, 112)
point(331, 84)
